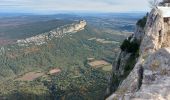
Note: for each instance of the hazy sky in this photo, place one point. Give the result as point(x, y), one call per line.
point(73, 5)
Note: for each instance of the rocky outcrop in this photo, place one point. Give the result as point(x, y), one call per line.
point(58, 32)
point(155, 32)
point(156, 77)
point(121, 62)
point(139, 33)
point(149, 80)
point(150, 77)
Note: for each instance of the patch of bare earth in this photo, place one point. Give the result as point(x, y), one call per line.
point(30, 76)
point(98, 63)
point(55, 71)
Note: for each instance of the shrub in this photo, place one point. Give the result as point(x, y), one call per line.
point(125, 45)
point(142, 22)
point(131, 47)
point(130, 63)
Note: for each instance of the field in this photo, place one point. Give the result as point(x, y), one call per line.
point(107, 68)
point(102, 41)
point(54, 71)
point(98, 63)
point(30, 76)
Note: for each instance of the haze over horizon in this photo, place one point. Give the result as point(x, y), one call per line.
point(52, 6)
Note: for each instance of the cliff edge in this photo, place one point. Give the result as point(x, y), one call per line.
point(149, 78)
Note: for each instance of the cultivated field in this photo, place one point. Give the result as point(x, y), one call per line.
point(30, 76)
point(55, 71)
point(98, 63)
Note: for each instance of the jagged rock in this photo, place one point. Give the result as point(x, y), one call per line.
point(150, 78)
point(121, 62)
point(129, 85)
point(156, 77)
point(139, 33)
point(154, 32)
point(58, 32)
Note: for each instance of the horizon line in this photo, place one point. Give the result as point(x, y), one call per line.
point(68, 12)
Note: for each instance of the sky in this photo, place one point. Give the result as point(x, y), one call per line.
point(51, 6)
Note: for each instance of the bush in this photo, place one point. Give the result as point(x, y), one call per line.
point(142, 22)
point(130, 63)
point(125, 45)
point(131, 47)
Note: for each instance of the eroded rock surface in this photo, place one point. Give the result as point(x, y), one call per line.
point(150, 78)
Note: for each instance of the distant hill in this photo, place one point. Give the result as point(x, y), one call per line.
point(14, 29)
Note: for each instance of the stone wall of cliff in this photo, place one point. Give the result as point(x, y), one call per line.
point(150, 77)
point(126, 59)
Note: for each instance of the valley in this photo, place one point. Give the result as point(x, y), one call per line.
point(73, 66)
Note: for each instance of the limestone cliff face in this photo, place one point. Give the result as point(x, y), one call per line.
point(139, 33)
point(58, 32)
point(121, 62)
point(150, 77)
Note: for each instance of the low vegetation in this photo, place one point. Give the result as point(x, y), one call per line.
point(142, 22)
point(130, 46)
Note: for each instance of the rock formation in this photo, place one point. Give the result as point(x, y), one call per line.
point(58, 32)
point(150, 77)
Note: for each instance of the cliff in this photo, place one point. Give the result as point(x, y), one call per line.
point(149, 77)
point(58, 32)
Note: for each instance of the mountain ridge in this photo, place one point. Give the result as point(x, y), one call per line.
point(58, 32)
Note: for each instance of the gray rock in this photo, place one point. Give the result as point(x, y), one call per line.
point(150, 78)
